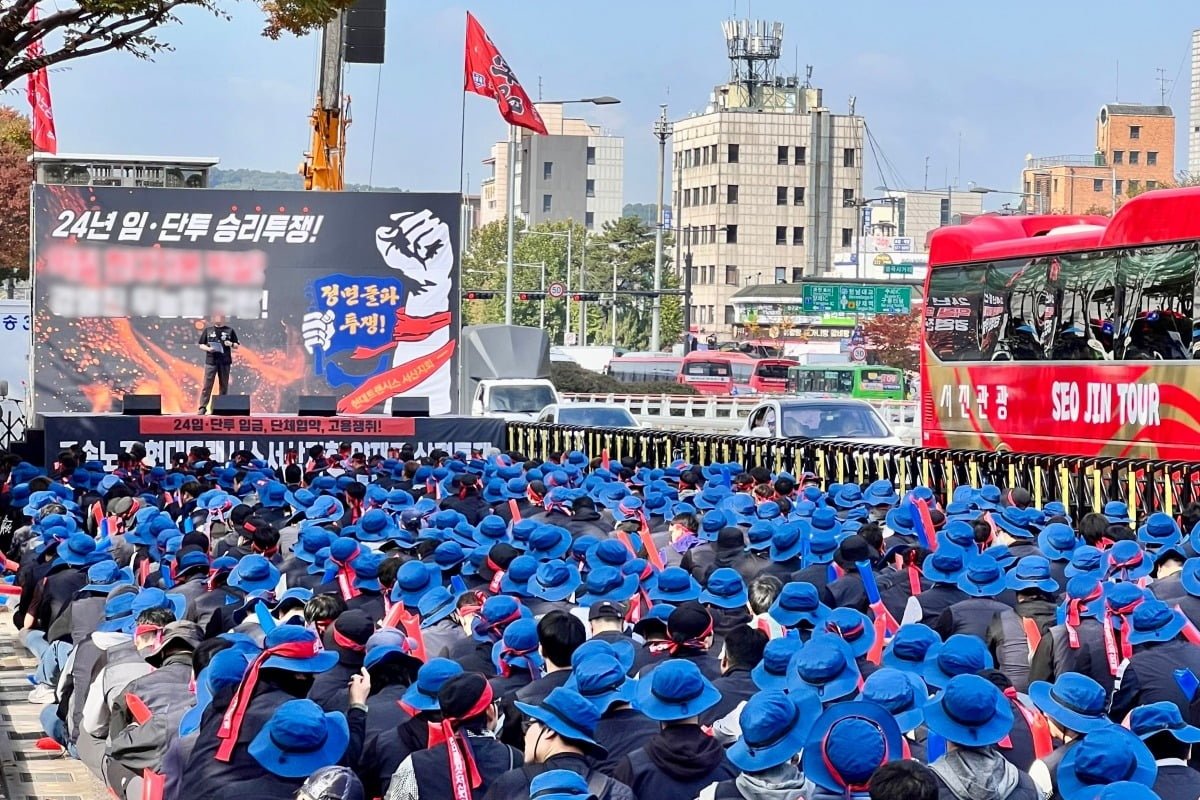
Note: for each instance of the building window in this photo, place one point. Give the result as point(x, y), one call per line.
point(847, 237)
point(944, 212)
point(734, 153)
point(1151, 185)
point(547, 170)
point(1135, 131)
point(781, 234)
point(704, 155)
point(1118, 156)
point(1134, 186)
point(547, 203)
point(696, 157)
point(798, 156)
point(731, 234)
point(781, 274)
point(1151, 158)
point(848, 157)
point(797, 274)
point(590, 187)
point(781, 195)
point(712, 235)
point(712, 192)
point(713, 149)
point(798, 196)
point(797, 236)
point(1119, 186)
point(704, 195)
point(1097, 185)
point(1054, 184)
point(731, 275)
point(591, 155)
point(782, 154)
point(731, 194)
point(589, 219)
point(847, 198)
point(1133, 156)
point(729, 315)
point(696, 196)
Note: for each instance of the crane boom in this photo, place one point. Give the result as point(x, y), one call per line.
point(324, 163)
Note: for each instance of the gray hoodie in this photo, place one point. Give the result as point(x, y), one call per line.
point(784, 782)
point(981, 774)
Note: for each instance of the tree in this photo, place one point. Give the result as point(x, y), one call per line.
point(894, 339)
point(628, 246)
point(78, 30)
point(16, 173)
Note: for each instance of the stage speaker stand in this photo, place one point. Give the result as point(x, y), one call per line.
point(410, 406)
point(231, 405)
point(317, 405)
point(142, 405)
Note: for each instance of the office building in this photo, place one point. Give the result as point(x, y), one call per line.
point(1193, 162)
point(766, 179)
point(577, 172)
point(1134, 152)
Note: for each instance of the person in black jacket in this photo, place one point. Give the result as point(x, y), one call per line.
point(347, 637)
point(1170, 740)
point(601, 679)
point(1159, 650)
point(741, 653)
point(466, 499)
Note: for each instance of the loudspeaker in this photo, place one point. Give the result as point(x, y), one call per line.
point(317, 405)
point(231, 405)
point(410, 406)
point(142, 405)
point(363, 36)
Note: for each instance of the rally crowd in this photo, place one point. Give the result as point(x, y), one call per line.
point(480, 626)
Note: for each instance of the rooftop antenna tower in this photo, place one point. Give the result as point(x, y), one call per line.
point(754, 49)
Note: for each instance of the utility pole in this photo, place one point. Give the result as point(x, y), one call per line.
point(510, 203)
point(662, 131)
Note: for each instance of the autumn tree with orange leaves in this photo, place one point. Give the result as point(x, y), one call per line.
point(894, 340)
point(16, 174)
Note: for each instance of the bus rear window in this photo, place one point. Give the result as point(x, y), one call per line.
point(772, 372)
point(707, 369)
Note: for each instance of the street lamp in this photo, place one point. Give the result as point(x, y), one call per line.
point(976, 189)
point(601, 100)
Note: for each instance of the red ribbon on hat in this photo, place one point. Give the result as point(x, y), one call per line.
point(487, 627)
point(1074, 613)
point(346, 576)
point(341, 640)
point(1124, 613)
point(231, 722)
point(464, 774)
point(695, 643)
point(508, 653)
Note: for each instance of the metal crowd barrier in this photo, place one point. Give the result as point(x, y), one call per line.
point(1082, 484)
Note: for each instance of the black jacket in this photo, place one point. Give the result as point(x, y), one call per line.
point(384, 751)
point(1177, 782)
point(735, 686)
point(432, 771)
point(514, 784)
point(621, 731)
point(678, 762)
point(473, 507)
point(972, 616)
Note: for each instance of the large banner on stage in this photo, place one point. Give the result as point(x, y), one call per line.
point(102, 436)
point(353, 294)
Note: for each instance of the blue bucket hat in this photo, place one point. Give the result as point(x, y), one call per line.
point(517, 576)
point(1162, 717)
point(854, 628)
point(496, 614)
point(518, 649)
point(826, 666)
point(554, 581)
point(1160, 530)
point(226, 669)
point(1128, 562)
point(1015, 521)
point(1117, 512)
point(309, 541)
point(711, 525)
point(607, 553)
point(1058, 541)
point(377, 526)
point(1087, 560)
point(448, 555)
point(1155, 621)
point(760, 534)
point(273, 494)
point(960, 654)
point(789, 540)
point(982, 577)
point(559, 784)
point(725, 589)
point(549, 541)
point(1074, 701)
point(1102, 757)
point(422, 694)
point(970, 712)
point(299, 739)
point(848, 742)
point(493, 491)
point(491, 529)
point(1190, 576)
point(570, 715)
point(946, 565)
point(1032, 572)
point(78, 550)
point(881, 493)
point(674, 691)
point(254, 573)
point(413, 580)
point(675, 585)
point(909, 647)
point(608, 583)
point(435, 605)
point(822, 546)
point(772, 671)
point(106, 575)
point(848, 496)
point(602, 679)
point(711, 496)
point(321, 661)
point(798, 602)
point(903, 694)
point(987, 498)
point(325, 509)
point(902, 519)
point(366, 570)
point(775, 725)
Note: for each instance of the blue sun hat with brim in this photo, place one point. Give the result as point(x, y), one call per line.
point(957, 534)
point(559, 784)
point(739, 509)
point(549, 541)
point(254, 573)
point(610, 495)
point(1162, 717)
point(105, 576)
point(435, 605)
point(518, 649)
point(377, 526)
point(325, 509)
point(1190, 576)
point(422, 694)
point(987, 498)
point(1105, 756)
point(711, 525)
point(789, 540)
point(554, 580)
point(826, 520)
point(797, 603)
point(1087, 560)
point(881, 493)
point(1058, 541)
point(607, 583)
point(711, 497)
point(1127, 561)
point(657, 504)
point(628, 508)
point(675, 690)
point(448, 555)
point(570, 715)
point(1032, 572)
point(970, 712)
point(760, 534)
point(607, 553)
point(946, 565)
point(825, 665)
point(848, 742)
point(774, 727)
point(1160, 530)
point(1015, 521)
point(1121, 790)
point(675, 585)
point(726, 589)
point(491, 529)
point(772, 671)
point(495, 615)
point(494, 491)
point(982, 577)
point(300, 738)
point(1117, 512)
point(516, 578)
point(225, 670)
point(902, 693)
point(646, 573)
point(309, 541)
point(961, 511)
point(602, 679)
point(960, 654)
point(848, 496)
point(1155, 621)
point(854, 628)
point(902, 519)
point(366, 570)
point(413, 580)
point(909, 647)
point(1074, 701)
point(77, 550)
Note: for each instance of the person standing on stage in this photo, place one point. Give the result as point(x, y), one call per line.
point(218, 340)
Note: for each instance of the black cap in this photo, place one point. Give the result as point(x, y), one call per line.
point(1019, 497)
point(731, 536)
point(354, 625)
point(606, 609)
point(853, 549)
point(689, 621)
point(460, 694)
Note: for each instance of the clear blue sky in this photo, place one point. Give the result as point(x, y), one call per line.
point(1011, 78)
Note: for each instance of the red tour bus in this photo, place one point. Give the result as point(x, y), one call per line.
point(1070, 335)
point(720, 372)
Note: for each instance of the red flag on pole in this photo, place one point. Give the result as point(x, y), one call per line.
point(38, 91)
point(488, 74)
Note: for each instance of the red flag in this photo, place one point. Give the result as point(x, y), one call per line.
point(38, 90)
point(488, 74)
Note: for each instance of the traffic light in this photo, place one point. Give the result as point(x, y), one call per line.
point(531, 296)
point(585, 297)
point(480, 295)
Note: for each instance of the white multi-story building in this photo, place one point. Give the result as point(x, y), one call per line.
point(577, 173)
point(1193, 161)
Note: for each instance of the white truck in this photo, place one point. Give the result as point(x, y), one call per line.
point(505, 372)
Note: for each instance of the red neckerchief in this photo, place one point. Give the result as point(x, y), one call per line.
point(507, 653)
point(231, 722)
point(346, 576)
point(1074, 613)
point(356, 509)
point(464, 774)
point(1123, 613)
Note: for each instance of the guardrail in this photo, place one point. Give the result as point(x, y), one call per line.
point(1082, 484)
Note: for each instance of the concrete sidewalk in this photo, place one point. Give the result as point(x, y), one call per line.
point(29, 773)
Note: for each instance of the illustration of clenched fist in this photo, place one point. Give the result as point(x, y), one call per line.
point(418, 244)
point(317, 329)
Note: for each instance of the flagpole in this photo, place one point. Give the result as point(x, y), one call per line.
point(511, 202)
